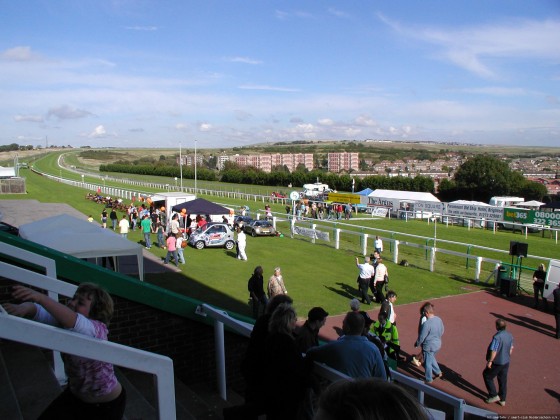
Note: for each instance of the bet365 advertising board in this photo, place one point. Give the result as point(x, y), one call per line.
point(538, 217)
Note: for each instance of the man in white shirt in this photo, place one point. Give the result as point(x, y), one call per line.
point(378, 245)
point(379, 280)
point(366, 273)
point(124, 225)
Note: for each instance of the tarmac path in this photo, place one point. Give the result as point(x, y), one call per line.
point(469, 319)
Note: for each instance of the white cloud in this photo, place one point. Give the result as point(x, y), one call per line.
point(29, 118)
point(181, 126)
point(19, 54)
point(325, 121)
point(98, 132)
point(204, 127)
point(142, 28)
point(66, 112)
point(365, 121)
point(244, 60)
point(473, 48)
point(267, 87)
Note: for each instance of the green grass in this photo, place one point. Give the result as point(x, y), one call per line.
point(315, 274)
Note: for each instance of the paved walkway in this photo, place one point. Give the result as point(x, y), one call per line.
point(534, 375)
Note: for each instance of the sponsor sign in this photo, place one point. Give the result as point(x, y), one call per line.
point(427, 206)
point(475, 212)
point(345, 198)
point(537, 217)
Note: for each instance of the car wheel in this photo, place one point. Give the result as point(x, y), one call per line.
point(199, 244)
point(229, 245)
point(253, 233)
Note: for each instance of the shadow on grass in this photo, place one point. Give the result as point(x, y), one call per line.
point(344, 290)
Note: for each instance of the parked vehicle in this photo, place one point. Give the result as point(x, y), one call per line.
point(212, 235)
point(260, 228)
point(242, 220)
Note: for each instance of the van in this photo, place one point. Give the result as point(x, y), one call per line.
point(552, 279)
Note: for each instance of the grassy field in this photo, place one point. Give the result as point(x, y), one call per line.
point(315, 274)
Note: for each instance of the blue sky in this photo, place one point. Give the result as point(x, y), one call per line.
point(143, 73)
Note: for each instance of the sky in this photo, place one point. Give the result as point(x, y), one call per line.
point(225, 73)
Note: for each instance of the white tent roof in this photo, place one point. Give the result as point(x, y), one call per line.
point(471, 203)
point(404, 195)
point(80, 238)
point(532, 203)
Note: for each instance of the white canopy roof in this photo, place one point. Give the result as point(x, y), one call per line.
point(81, 239)
point(532, 203)
point(404, 195)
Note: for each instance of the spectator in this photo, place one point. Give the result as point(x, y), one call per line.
point(146, 226)
point(497, 363)
point(556, 296)
point(539, 276)
point(104, 218)
point(430, 341)
point(286, 376)
point(241, 244)
point(308, 334)
point(364, 278)
point(418, 359)
point(179, 245)
point(352, 354)
point(124, 225)
point(388, 308)
point(355, 305)
point(368, 399)
point(254, 361)
point(380, 279)
point(276, 284)
point(160, 231)
point(172, 249)
point(93, 391)
point(256, 292)
point(389, 335)
point(378, 245)
point(113, 216)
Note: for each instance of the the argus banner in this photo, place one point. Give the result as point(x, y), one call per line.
point(537, 217)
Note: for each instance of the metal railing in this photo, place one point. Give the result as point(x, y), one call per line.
point(221, 319)
point(58, 339)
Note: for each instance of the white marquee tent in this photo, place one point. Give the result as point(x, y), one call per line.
point(81, 239)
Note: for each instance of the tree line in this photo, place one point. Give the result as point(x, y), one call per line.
point(478, 179)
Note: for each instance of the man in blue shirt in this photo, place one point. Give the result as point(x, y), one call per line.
point(430, 341)
point(352, 354)
point(497, 363)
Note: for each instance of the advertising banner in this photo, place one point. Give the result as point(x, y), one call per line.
point(537, 217)
point(475, 212)
point(311, 233)
point(346, 198)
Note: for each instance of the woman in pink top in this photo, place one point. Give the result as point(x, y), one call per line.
point(172, 250)
point(93, 391)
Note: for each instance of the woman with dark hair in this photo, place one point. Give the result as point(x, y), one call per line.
point(368, 399)
point(286, 376)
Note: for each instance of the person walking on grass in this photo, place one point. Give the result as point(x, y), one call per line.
point(497, 363)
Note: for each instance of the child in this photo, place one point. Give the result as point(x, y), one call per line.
point(159, 233)
point(418, 359)
point(93, 391)
point(179, 245)
point(172, 249)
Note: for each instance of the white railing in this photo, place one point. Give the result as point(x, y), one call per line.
point(222, 318)
point(58, 339)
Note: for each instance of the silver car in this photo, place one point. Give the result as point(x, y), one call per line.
point(212, 235)
point(260, 228)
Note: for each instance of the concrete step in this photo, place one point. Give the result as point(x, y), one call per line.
point(31, 378)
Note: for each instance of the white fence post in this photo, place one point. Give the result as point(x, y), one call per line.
point(364, 243)
point(313, 226)
point(337, 239)
point(396, 253)
point(478, 268)
point(433, 259)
